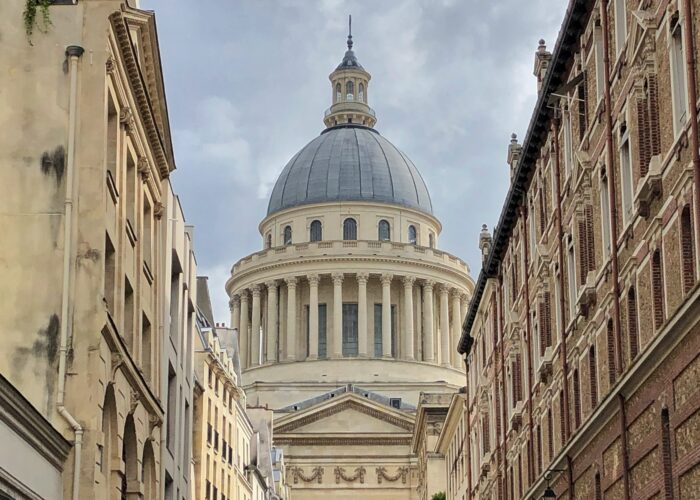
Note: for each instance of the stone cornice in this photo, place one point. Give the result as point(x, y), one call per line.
point(25, 421)
point(326, 440)
point(139, 90)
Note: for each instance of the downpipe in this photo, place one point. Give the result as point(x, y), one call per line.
point(73, 52)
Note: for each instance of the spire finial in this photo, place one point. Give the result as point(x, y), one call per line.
point(350, 32)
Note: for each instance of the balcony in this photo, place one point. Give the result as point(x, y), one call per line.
point(349, 106)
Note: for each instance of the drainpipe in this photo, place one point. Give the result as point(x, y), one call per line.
point(562, 312)
point(469, 434)
point(531, 462)
point(73, 52)
point(503, 385)
point(613, 216)
point(692, 108)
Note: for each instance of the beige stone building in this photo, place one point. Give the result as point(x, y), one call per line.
point(350, 310)
point(582, 341)
point(222, 432)
point(90, 226)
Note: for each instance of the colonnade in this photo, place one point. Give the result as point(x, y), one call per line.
point(270, 327)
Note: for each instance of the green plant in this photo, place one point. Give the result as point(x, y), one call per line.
point(31, 9)
point(438, 496)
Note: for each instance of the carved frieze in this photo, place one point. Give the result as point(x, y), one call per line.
point(401, 473)
point(358, 475)
point(298, 474)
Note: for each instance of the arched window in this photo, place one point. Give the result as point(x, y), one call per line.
point(412, 236)
point(350, 90)
point(288, 235)
point(361, 92)
point(431, 240)
point(338, 92)
point(268, 240)
point(316, 231)
point(349, 229)
point(384, 230)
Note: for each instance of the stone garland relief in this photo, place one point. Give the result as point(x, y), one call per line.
point(359, 474)
point(401, 473)
point(298, 473)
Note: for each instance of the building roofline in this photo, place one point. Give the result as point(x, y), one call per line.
point(573, 25)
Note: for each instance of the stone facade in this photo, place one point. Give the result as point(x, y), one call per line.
point(88, 244)
point(583, 335)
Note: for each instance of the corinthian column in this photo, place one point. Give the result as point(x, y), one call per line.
point(271, 333)
point(337, 344)
point(428, 338)
point(408, 317)
point(362, 314)
point(386, 315)
point(243, 331)
point(313, 315)
point(456, 325)
point(255, 328)
point(444, 326)
point(291, 318)
point(235, 307)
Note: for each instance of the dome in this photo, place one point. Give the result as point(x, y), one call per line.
point(350, 163)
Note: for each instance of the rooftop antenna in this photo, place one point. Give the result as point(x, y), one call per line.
point(350, 32)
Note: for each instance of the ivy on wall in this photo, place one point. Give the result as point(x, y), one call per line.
point(438, 496)
point(36, 16)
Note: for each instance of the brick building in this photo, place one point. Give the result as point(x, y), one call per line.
point(582, 340)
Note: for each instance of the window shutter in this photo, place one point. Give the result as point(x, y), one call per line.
point(644, 133)
point(593, 375)
point(582, 92)
point(550, 434)
point(687, 250)
point(632, 323)
point(590, 238)
point(562, 414)
point(657, 285)
point(611, 353)
point(547, 319)
point(653, 117)
point(577, 399)
point(583, 250)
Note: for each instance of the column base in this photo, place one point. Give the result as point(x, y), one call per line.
point(312, 357)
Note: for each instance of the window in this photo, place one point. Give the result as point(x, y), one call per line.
point(316, 231)
point(612, 370)
point(550, 433)
point(146, 341)
point(431, 240)
point(571, 278)
point(361, 92)
point(562, 415)
point(605, 213)
point(338, 93)
point(582, 96)
point(593, 374)
point(666, 453)
point(678, 83)
point(517, 377)
point(632, 326)
point(586, 240)
point(147, 237)
point(112, 139)
point(545, 329)
point(657, 286)
point(687, 255)
point(412, 236)
point(485, 442)
point(350, 90)
point(349, 229)
point(620, 25)
point(599, 63)
point(287, 235)
point(128, 331)
point(109, 275)
point(577, 400)
point(395, 403)
point(377, 330)
point(350, 338)
point(322, 343)
point(626, 177)
point(648, 128)
point(131, 195)
point(568, 144)
point(531, 229)
point(172, 405)
point(268, 240)
point(384, 230)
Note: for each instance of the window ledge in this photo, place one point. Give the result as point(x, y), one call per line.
point(649, 188)
point(544, 368)
point(516, 416)
point(587, 295)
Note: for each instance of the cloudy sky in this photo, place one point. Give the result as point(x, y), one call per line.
point(247, 84)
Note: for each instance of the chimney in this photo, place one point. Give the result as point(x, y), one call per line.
point(514, 152)
point(485, 242)
point(542, 58)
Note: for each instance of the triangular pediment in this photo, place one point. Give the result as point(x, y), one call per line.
point(348, 413)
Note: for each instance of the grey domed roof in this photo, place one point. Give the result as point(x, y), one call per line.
point(350, 163)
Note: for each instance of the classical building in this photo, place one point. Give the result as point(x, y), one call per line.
point(349, 310)
point(220, 445)
point(90, 226)
point(430, 418)
point(582, 341)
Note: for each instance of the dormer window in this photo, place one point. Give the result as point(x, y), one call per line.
point(316, 231)
point(412, 235)
point(288, 235)
point(350, 90)
point(338, 92)
point(361, 92)
point(384, 230)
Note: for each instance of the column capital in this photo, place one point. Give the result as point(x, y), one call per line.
point(291, 282)
point(444, 289)
point(429, 284)
point(272, 284)
point(255, 290)
point(387, 278)
point(464, 297)
point(408, 281)
point(235, 301)
point(362, 278)
point(455, 293)
point(313, 279)
point(337, 278)
point(244, 295)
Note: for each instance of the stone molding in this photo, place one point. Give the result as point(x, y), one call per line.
point(401, 473)
point(298, 473)
point(359, 474)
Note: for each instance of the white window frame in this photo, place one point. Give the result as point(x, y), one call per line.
point(532, 237)
point(620, 25)
point(679, 94)
point(568, 144)
point(605, 214)
point(571, 278)
point(557, 300)
point(626, 176)
point(599, 63)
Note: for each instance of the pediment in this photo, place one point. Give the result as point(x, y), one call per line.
point(349, 413)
